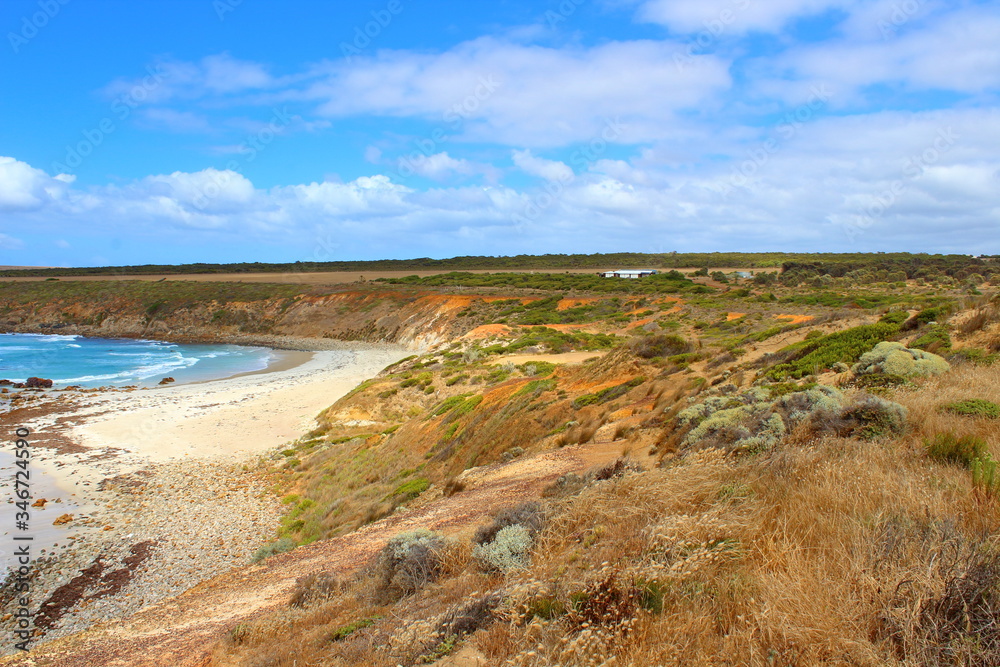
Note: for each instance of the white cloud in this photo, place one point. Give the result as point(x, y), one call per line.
point(213, 76)
point(810, 190)
point(441, 166)
point(515, 94)
point(717, 17)
point(952, 52)
point(175, 121)
point(550, 170)
point(23, 187)
point(10, 243)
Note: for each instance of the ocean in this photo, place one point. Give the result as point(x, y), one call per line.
point(117, 362)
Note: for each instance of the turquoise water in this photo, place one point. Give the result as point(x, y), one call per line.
point(116, 362)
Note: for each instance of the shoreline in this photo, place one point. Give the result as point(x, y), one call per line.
point(164, 483)
point(286, 360)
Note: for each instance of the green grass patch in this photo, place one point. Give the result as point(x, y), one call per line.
point(974, 407)
point(949, 448)
point(345, 631)
point(409, 490)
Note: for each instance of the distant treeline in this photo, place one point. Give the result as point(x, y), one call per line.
point(825, 262)
point(669, 282)
point(890, 267)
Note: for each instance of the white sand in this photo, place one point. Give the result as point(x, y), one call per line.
point(230, 418)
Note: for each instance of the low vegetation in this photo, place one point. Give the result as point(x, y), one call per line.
point(786, 470)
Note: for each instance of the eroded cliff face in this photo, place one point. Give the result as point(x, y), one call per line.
point(416, 320)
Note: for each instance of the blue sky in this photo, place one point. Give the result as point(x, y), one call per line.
point(227, 130)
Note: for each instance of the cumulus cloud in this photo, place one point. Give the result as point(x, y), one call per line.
point(23, 187)
point(732, 16)
point(441, 166)
point(955, 52)
point(921, 181)
point(525, 94)
point(550, 170)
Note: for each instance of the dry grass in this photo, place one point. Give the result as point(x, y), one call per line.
point(823, 551)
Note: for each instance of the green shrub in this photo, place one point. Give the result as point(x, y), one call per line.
point(895, 317)
point(279, 546)
point(535, 387)
point(950, 448)
point(467, 406)
point(661, 345)
point(806, 357)
point(407, 491)
point(975, 407)
point(936, 338)
point(448, 404)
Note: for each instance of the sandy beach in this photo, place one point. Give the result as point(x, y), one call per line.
point(238, 416)
point(162, 484)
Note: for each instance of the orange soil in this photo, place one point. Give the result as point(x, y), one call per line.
point(571, 327)
point(639, 323)
point(566, 304)
point(795, 319)
point(734, 316)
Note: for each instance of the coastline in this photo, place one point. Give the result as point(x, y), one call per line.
point(163, 483)
point(281, 360)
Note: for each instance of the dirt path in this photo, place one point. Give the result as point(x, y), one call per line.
point(182, 631)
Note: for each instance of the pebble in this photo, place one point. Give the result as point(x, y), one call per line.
point(198, 524)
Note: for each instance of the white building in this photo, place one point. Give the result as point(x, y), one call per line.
point(629, 273)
